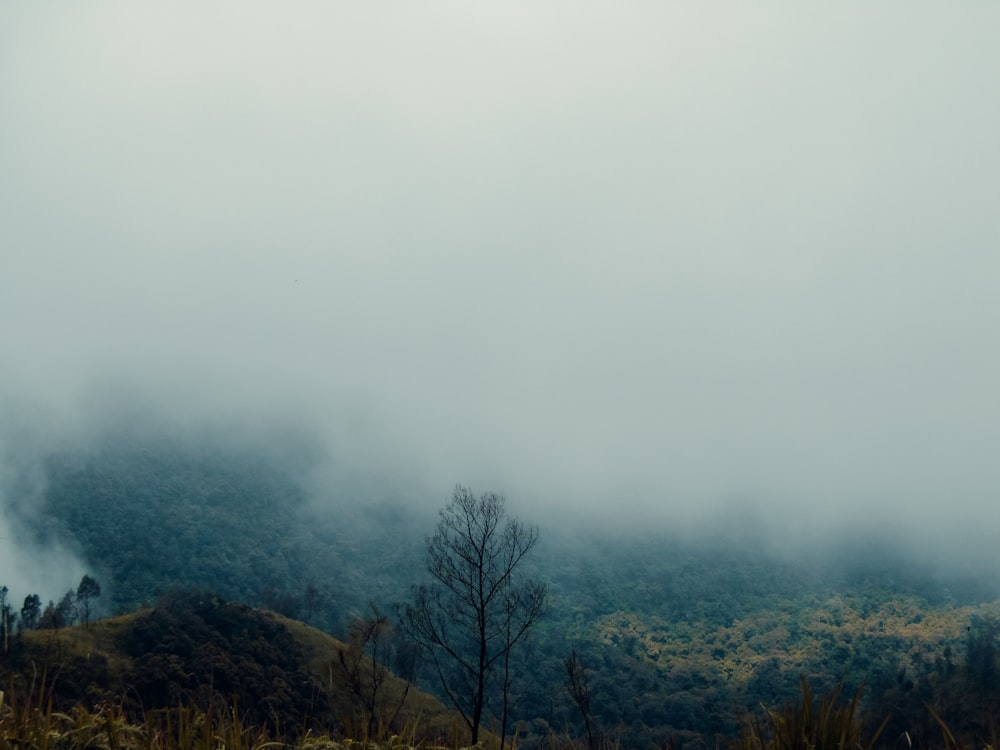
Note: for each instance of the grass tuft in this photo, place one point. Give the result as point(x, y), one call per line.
point(828, 723)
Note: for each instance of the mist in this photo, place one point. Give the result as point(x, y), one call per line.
point(647, 262)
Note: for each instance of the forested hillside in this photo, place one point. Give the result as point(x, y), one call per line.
point(153, 512)
point(193, 650)
point(677, 637)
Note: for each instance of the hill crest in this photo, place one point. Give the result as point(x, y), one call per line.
point(194, 649)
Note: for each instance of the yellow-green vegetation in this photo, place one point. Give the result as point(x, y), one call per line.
point(792, 636)
point(100, 639)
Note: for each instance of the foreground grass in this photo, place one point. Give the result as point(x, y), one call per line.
point(29, 721)
point(56, 672)
point(824, 724)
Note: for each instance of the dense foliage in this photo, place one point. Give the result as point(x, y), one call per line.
point(153, 513)
point(191, 648)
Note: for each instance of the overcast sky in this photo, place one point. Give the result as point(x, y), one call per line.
point(621, 255)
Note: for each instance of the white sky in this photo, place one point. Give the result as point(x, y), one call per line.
point(595, 254)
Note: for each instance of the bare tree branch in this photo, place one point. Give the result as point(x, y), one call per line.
point(479, 608)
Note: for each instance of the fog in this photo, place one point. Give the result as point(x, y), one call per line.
point(652, 261)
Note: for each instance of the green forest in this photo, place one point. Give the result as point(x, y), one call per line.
point(648, 639)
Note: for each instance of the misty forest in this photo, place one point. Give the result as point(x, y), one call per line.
point(524, 375)
point(643, 638)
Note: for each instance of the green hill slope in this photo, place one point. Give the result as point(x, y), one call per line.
point(193, 649)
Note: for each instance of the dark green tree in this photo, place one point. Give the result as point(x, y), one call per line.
point(59, 615)
point(88, 590)
point(67, 608)
point(478, 608)
point(31, 611)
point(51, 619)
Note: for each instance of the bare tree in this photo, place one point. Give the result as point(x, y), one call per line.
point(579, 690)
point(364, 666)
point(477, 609)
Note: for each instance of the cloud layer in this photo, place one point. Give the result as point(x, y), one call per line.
point(645, 257)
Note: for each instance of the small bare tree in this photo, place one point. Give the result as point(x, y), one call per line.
point(363, 662)
point(477, 609)
point(579, 689)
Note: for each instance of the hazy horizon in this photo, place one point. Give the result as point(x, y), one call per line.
point(649, 260)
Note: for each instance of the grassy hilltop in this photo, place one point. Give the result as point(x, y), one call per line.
point(195, 653)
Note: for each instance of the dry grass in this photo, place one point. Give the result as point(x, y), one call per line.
point(28, 721)
point(422, 720)
point(99, 637)
point(827, 723)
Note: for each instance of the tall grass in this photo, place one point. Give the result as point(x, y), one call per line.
point(28, 722)
point(828, 723)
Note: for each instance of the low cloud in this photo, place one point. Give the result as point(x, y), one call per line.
point(648, 263)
